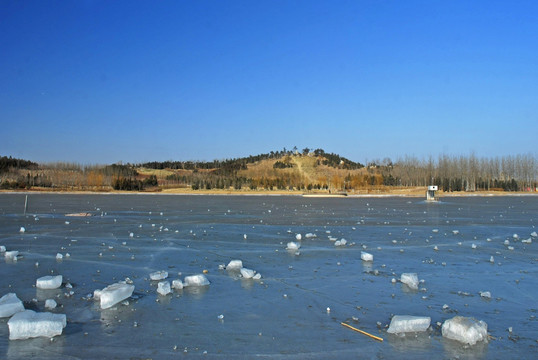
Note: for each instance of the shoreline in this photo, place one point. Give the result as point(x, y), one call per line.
point(409, 193)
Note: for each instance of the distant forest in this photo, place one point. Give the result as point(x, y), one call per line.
point(330, 172)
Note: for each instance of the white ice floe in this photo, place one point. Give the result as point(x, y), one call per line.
point(2, 248)
point(22, 230)
point(492, 259)
point(247, 273)
point(408, 323)
point(163, 288)
point(410, 279)
point(534, 234)
point(341, 242)
point(11, 255)
point(234, 265)
point(177, 284)
point(10, 304)
point(292, 245)
point(298, 236)
point(113, 294)
point(310, 235)
point(466, 330)
point(527, 241)
point(30, 324)
point(366, 256)
point(49, 282)
point(158, 275)
point(196, 280)
point(59, 256)
point(50, 304)
point(485, 294)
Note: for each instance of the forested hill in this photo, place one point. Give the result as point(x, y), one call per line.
point(230, 166)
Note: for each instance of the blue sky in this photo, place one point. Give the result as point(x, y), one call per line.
point(133, 81)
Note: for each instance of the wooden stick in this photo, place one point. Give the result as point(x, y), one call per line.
point(362, 332)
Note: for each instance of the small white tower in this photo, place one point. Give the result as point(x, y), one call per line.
point(430, 194)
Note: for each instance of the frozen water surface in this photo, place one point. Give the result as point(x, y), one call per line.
point(285, 313)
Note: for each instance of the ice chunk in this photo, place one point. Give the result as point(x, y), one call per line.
point(234, 265)
point(10, 304)
point(465, 330)
point(408, 323)
point(366, 256)
point(247, 273)
point(258, 276)
point(310, 235)
point(298, 236)
point(59, 256)
point(292, 245)
point(22, 230)
point(177, 284)
point(50, 304)
point(158, 275)
point(49, 282)
point(29, 324)
point(534, 234)
point(11, 255)
point(113, 294)
point(410, 279)
point(2, 248)
point(195, 280)
point(485, 294)
point(163, 288)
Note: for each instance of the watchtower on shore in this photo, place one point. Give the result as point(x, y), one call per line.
point(430, 193)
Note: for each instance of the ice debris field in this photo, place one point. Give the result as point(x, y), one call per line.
point(155, 276)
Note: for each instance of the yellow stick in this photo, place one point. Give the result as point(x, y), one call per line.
point(362, 332)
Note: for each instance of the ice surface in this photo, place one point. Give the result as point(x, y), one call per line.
point(410, 279)
point(163, 288)
point(177, 284)
point(247, 273)
point(408, 323)
point(366, 256)
point(234, 265)
point(50, 304)
point(292, 245)
point(49, 282)
point(466, 330)
point(29, 324)
point(196, 280)
point(113, 294)
point(10, 304)
point(158, 275)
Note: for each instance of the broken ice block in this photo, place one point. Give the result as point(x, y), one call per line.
point(10, 304)
point(466, 330)
point(292, 245)
point(196, 280)
point(298, 237)
point(234, 265)
point(113, 294)
point(50, 304)
point(29, 324)
point(408, 323)
point(11, 255)
point(247, 273)
point(177, 284)
point(49, 282)
point(366, 256)
point(410, 279)
point(158, 275)
point(2, 248)
point(163, 288)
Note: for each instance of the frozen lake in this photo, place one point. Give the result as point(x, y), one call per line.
point(284, 314)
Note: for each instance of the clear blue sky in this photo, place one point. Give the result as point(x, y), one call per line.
point(133, 81)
